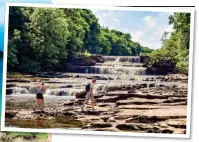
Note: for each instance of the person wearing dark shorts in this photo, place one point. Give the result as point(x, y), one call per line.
point(40, 98)
point(89, 95)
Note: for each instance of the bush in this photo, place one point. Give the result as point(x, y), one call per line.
point(84, 55)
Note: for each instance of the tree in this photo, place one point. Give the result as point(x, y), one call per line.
point(181, 24)
point(41, 39)
point(104, 43)
point(137, 48)
point(12, 50)
point(48, 36)
point(77, 28)
point(164, 37)
point(91, 41)
point(176, 47)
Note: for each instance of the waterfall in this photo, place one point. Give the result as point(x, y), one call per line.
point(118, 70)
point(53, 92)
point(33, 89)
point(19, 90)
point(63, 91)
point(119, 65)
point(133, 59)
point(117, 59)
point(110, 58)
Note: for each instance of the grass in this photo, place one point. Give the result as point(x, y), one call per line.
point(38, 135)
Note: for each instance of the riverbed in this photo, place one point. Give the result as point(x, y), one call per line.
point(126, 99)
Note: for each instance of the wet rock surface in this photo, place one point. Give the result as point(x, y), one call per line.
point(126, 99)
point(143, 109)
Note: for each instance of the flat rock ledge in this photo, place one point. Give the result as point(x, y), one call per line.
point(143, 112)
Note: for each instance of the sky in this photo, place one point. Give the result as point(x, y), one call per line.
point(145, 27)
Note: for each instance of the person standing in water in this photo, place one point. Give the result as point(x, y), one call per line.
point(90, 94)
point(39, 97)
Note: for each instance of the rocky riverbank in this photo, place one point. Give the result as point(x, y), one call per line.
point(127, 98)
point(139, 107)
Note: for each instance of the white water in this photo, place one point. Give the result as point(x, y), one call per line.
point(117, 59)
point(120, 65)
point(121, 70)
point(117, 70)
point(101, 86)
point(63, 91)
point(19, 90)
point(134, 59)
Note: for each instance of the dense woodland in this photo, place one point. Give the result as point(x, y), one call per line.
point(41, 39)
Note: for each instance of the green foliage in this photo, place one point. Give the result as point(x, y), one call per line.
point(48, 36)
point(146, 50)
point(104, 43)
point(41, 136)
point(176, 48)
point(84, 54)
point(30, 65)
point(12, 49)
point(77, 28)
point(43, 39)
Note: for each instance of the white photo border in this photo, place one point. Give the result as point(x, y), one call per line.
point(67, 131)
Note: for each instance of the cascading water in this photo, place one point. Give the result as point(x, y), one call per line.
point(63, 92)
point(19, 90)
point(117, 59)
point(120, 65)
point(33, 89)
point(133, 59)
point(118, 70)
point(49, 91)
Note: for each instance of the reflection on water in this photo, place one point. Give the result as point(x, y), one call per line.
point(27, 101)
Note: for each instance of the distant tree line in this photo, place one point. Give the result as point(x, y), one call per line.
point(40, 39)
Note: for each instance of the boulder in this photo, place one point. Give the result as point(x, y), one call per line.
point(81, 94)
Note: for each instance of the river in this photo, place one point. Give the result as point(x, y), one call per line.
point(117, 76)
